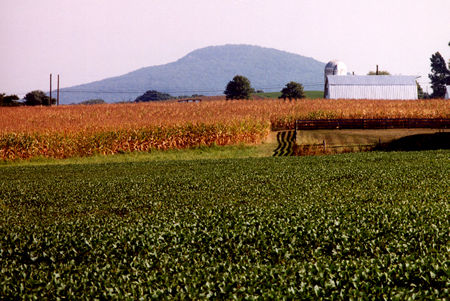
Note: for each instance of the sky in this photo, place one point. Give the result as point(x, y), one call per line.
point(89, 40)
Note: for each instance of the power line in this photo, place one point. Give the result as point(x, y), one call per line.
point(177, 91)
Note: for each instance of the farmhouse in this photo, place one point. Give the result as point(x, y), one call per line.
point(340, 85)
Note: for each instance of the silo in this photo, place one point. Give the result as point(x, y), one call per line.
point(334, 67)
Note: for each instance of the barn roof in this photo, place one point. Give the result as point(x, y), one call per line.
point(372, 80)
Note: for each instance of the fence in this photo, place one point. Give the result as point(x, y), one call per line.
point(393, 123)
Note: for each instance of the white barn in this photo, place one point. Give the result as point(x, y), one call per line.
point(370, 87)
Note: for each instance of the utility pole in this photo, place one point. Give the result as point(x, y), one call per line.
point(57, 93)
point(376, 71)
point(50, 90)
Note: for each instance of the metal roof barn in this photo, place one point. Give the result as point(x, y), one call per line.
point(371, 87)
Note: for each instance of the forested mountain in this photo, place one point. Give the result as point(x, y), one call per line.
point(206, 71)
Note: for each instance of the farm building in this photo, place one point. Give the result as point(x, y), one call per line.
point(447, 92)
point(333, 68)
point(371, 87)
point(339, 85)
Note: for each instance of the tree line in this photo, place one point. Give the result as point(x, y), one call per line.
point(33, 98)
point(240, 88)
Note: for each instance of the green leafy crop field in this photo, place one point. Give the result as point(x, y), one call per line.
point(362, 226)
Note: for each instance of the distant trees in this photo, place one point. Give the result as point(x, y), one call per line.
point(439, 76)
point(238, 88)
point(33, 98)
point(292, 90)
point(92, 102)
point(38, 98)
point(190, 96)
point(153, 95)
point(380, 72)
point(9, 100)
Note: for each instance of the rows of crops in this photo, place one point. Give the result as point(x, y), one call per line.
point(366, 226)
point(68, 131)
point(65, 145)
point(138, 115)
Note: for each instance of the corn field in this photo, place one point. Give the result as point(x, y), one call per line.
point(67, 131)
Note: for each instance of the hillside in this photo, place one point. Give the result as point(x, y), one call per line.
point(206, 71)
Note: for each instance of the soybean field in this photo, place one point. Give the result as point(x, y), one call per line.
point(362, 226)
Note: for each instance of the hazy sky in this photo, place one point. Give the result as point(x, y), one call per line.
point(88, 40)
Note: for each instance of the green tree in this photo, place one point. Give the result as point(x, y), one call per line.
point(439, 76)
point(420, 94)
point(238, 88)
point(292, 90)
point(153, 95)
point(9, 100)
point(38, 98)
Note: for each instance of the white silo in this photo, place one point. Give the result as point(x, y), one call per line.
point(334, 67)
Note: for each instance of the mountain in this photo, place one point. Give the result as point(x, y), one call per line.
point(206, 71)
